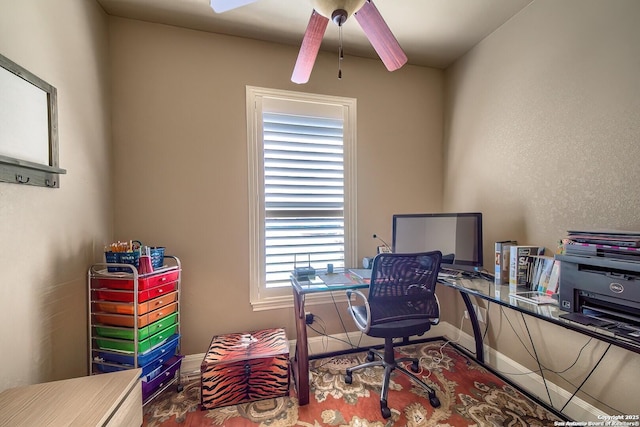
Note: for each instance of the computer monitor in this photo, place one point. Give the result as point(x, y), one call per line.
point(457, 235)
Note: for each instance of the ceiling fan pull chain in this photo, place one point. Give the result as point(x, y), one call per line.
point(340, 53)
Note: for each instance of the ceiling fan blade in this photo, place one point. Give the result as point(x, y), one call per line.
point(309, 48)
point(220, 6)
point(380, 36)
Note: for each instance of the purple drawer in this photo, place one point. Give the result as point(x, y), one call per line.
point(166, 375)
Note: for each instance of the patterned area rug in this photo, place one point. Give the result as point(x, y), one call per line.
point(469, 395)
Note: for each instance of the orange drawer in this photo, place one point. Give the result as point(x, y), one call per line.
point(146, 281)
point(127, 308)
point(128, 320)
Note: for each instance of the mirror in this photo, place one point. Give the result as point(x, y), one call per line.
point(28, 128)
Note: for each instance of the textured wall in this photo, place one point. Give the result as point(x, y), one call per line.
point(49, 237)
point(181, 161)
point(542, 124)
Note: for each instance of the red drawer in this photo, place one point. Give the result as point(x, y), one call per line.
point(126, 282)
point(127, 296)
point(127, 308)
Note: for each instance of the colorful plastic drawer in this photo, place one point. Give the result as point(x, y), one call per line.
point(166, 375)
point(146, 281)
point(143, 320)
point(127, 308)
point(143, 345)
point(145, 358)
point(149, 371)
point(128, 296)
point(143, 333)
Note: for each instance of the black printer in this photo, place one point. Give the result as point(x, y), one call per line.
point(600, 286)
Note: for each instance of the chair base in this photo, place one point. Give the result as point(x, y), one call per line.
point(390, 363)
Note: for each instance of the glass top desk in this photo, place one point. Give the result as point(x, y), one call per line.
point(303, 286)
point(467, 287)
point(486, 289)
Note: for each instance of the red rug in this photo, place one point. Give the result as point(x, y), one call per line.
point(469, 394)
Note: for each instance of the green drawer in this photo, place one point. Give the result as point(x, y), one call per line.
point(143, 345)
point(143, 333)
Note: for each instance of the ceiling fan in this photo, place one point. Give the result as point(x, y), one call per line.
point(367, 15)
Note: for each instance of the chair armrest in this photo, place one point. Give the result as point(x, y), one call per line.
point(361, 296)
point(436, 320)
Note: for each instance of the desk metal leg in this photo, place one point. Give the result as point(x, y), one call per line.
point(301, 358)
point(477, 334)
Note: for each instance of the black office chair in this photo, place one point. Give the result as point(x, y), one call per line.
point(401, 303)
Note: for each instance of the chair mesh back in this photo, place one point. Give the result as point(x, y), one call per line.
point(403, 286)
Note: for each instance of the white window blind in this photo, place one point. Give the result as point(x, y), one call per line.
point(302, 194)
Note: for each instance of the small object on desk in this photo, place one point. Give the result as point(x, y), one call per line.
point(534, 297)
point(362, 275)
point(329, 268)
point(367, 262)
point(302, 272)
point(448, 273)
point(502, 248)
point(337, 279)
point(486, 276)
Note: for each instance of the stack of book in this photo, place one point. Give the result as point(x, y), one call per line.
point(533, 277)
point(520, 262)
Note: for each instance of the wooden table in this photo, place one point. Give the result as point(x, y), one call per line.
point(113, 399)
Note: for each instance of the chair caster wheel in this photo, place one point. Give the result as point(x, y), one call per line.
point(385, 411)
point(180, 388)
point(348, 379)
point(415, 367)
point(370, 357)
point(434, 401)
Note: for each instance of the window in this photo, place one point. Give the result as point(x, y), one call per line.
point(301, 187)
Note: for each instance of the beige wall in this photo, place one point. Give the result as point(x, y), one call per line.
point(550, 98)
point(50, 236)
point(542, 124)
point(180, 147)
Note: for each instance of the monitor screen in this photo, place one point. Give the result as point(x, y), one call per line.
point(457, 235)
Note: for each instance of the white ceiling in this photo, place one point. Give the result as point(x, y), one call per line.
point(432, 32)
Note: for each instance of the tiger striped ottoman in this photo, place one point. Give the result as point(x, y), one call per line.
point(245, 367)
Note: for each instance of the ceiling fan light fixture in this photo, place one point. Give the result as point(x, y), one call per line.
point(327, 7)
point(339, 17)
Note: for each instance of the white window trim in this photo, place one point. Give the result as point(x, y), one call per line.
point(261, 299)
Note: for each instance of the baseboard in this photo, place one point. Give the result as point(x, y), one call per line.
point(190, 368)
point(577, 409)
point(520, 375)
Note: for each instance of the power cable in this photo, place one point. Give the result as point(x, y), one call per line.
point(544, 380)
point(587, 377)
